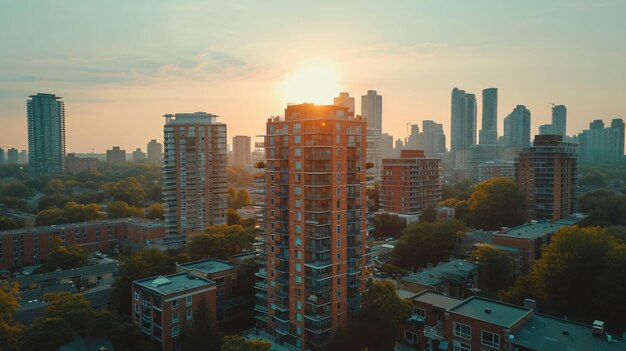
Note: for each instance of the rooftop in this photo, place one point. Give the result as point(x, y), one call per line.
point(535, 230)
point(437, 300)
point(67, 273)
point(549, 333)
point(490, 311)
point(208, 266)
point(454, 270)
point(173, 283)
point(147, 223)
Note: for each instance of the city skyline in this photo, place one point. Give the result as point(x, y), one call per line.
point(126, 69)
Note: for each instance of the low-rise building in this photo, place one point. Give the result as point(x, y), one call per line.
point(161, 304)
point(457, 278)
point(223, 273)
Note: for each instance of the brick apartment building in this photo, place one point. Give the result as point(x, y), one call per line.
point(441, 322)
point(223, 273)
point(161, 304)
point(410, 182)
point(23, 246)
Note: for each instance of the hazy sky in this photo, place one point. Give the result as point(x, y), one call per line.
point(121, 65)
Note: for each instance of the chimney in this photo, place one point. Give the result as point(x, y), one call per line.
point(598, 328)
point(530, 303)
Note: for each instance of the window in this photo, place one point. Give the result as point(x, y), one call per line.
point(489, 339)
point(297, 190)
point(411, 338)
point(298, 229)
point(338, 166)
point(298, 216)
point(338, 191)
point(458, 346)
point(298, 317)
point(136, 296)
point(338, 280)
point(297, 152)
point(338, 256)
point(189, 314)
point(338, 229)
point(175, 317)
point(419, 312)
point(174, 304)
point(338, 216)
point(298, 279)
point(298, 203)
point(298, 305)
point(175, 330)
point(462, 330)
point(188, 300)
point(338, 178)
point(298, 165)
point(298, 241)
point(296, 127)
point(136, 308)
point(338, 242)
point(338, 152)
point(297, 139)
point(298, 267)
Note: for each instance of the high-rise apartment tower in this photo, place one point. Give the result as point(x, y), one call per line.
point(46, 135)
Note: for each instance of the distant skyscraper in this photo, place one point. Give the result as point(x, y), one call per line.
point(463, 120)
point(344, 100)
point(241, 150)
point(23, 157)
point(12, 156)
point(489, 129)
point(559, 120)
point(155, 152)
point(139, 155)
point(372, 112)
point(547, 174)
point(432, 139)
point(1, 156)
point(517, 127)
point(316, 229)
point(194, 173)
point(46, 134)
point(387, 145)
point(116, 155)
point(598, 144)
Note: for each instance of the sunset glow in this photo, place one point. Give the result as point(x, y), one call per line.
point(315, 82)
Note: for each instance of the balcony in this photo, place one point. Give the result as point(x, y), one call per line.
point(433, 332)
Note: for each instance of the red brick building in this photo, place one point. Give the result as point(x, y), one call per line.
point(25, 246)
point(161, 304)
point(223, 273)
point(410, 182)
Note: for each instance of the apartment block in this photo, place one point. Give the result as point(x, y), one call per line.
point(410, 182)
point(316, 203)
point(194, 173)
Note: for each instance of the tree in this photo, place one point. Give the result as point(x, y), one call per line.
point(155, 211)
point(238, 199)
point(14, 202)
point(429, 213)
point(497, 203)
point(373, 198)
point(460, 207)
point(73, 256)
point(50, 216)
point(239, 343)
point(7, 223)
point(388, 225)
point(74, 309)
point(141, 264)
point(460, 191)
point(54, 186)
point(497, 269)
point(74, 212)
point(128, 185)
point(15, 189)
point(221, 241)
point(423, 243)
point(202, 335)
point(119, 209)
point(376, 326)
point(232, 217)
point(46, 334)
point(9, 303)
point(576, 277)
point(605, 208)
point(52, 201)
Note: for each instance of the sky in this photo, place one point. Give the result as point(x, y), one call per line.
point(120, 65)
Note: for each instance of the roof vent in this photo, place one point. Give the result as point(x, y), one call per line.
point(598, 328)
point(160, 281)
point(488, 310)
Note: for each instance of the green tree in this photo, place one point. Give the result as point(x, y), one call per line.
point(74, 212)
point(460, 207)
point(605, 208)
point(221, 241)
point(155, 211)
point(239, 343)
point(141, 264)
point(388, 225)
point(46, 334)
point(50, 216)
point(129, 185)
point(62, 257)
point(54, 186)
point(72, 308)
point(14, 202)
point(429, 213)
point(497, 203)
point(497, 269)
point(9, 303)
point(202, 335)
point(232, 217)
point(423, 243)
point(120, 209)
point(15, 189)
point(52, 201)
point(7, 223)
point(377, 325)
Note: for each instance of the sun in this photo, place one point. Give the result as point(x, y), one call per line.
point(316, 82)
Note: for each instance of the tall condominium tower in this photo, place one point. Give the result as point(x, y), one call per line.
point(517, 127)
point(316, 230)
point(241, 150)
point(559, 120)
point(432, 139)
point(463, 120)
point(547, 174)
point(489, 129)
point(372, 112)
point(12, 156)
point(155, 152)
point(599, 144)
point(46, 134)
point(194, 173)
point(344, 100)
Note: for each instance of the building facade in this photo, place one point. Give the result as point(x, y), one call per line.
point(194, 173)
point(462, 120)
point(547, 174)
point(155, 152)
point(162, 304)
point(601, 145)
point(316, 205)
point(241, 150)
point(116, 155)
point(75, 165)
point(496, 169)
point(489, 128)
point(517, 127)
point(410, 182)
point(139, 155)
point(12, 156)
point(46, 135)
point(344, 100)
